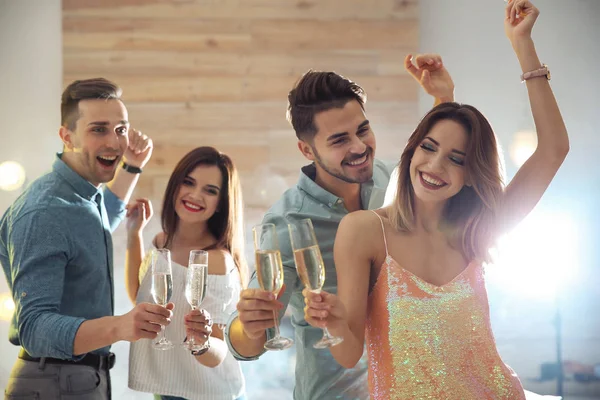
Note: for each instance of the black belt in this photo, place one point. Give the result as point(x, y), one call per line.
point(91, 360)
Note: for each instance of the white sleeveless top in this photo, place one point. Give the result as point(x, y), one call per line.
point(176, 372)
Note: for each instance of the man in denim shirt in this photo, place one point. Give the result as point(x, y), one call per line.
point(56, 252)
point(327, 113)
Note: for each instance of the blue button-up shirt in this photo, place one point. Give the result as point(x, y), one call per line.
point(56, 253)
point(318, 375)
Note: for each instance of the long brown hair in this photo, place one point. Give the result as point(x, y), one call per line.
point(226, 225)
point(469, 216)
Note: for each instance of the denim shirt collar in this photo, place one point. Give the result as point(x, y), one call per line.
point(81, 186)
point(307, 183)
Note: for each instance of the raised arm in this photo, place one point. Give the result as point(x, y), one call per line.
point(137, 154)
point(138, 215)
point(429, 71)
point(533, 178)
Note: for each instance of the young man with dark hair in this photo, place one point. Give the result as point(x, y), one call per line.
point(56, 252)
point(327, 112)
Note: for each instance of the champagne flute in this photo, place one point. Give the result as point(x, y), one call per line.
point(195, 288)
point(269, 271)
point(310, 268)
point(223, 308)
point(162, 288)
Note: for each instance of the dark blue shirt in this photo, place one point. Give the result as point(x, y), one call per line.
point(56, 253)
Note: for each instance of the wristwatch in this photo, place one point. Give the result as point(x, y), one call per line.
point(544, 71)
point(131, 169)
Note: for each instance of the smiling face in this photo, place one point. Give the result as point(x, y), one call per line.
point(344, 145)
point(95, 144)
point(451, 168)
point(198, 196)
point(437, 169)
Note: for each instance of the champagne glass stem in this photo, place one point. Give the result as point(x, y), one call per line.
point(326, 333)
point(276, 319)
point(162, 334)
point(191, 341)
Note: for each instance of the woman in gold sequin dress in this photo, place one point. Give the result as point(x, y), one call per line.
point(413, 286)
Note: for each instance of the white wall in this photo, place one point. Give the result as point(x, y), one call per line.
point(470, 36)
point(30, 81)
point(31, 76)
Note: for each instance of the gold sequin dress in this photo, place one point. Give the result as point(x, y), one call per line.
point(434, 342)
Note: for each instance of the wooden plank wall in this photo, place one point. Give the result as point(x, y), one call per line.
point(217, 72)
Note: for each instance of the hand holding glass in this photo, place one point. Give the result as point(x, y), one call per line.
point(162, 288)
point(310, 267)
point(269, 271)
point(195, 288)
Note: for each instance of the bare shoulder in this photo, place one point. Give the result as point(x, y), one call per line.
point(359, 222)
point(361, 232)
point(220, 262)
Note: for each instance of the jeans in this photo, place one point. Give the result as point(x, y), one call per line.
point(31, 380)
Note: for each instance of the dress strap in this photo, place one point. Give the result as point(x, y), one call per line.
point(387, 255)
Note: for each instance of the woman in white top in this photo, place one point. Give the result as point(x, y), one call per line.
point(202, 209)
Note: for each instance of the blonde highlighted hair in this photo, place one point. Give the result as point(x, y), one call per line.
point(469, 217)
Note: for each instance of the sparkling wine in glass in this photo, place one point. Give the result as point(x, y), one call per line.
point(162, 288)
point(310, 267)
point(269, 271)
point(195, 288)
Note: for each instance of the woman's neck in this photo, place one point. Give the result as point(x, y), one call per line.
point(192, 235)
point(428, 216)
